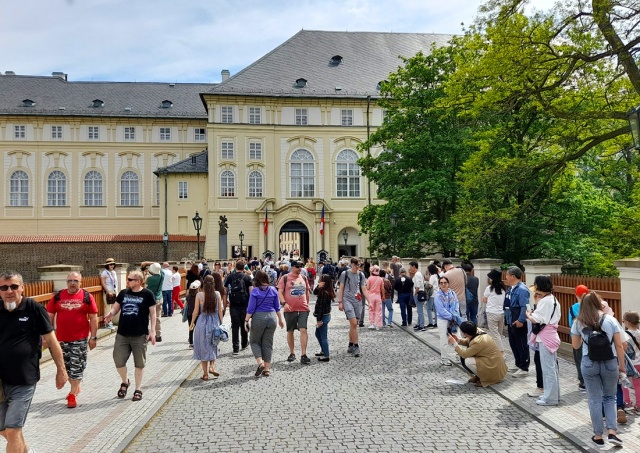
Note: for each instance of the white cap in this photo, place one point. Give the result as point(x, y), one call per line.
point(155, 269)
point(195, 284)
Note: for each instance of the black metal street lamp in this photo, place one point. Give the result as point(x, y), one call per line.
point(345, 236)
point(241, 236)
point(394, 224)
point(197, 224)
point(634, 125)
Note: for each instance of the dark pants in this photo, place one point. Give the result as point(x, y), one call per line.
point(519, 346)
point(404, 299)
point(536, 360)
point(577, 357)
point(189, 319)
point(472, 312)
point(237, 327)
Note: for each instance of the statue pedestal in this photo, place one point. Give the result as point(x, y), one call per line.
point(222, 246)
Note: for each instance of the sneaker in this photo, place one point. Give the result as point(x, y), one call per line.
point(537, 393)
point(350, 350)
point(542, 402)
point(305, 360)
point(520, 373)
point(291, 358)
point(613, 439)
point(432, 326)
point(371, 327)
point(323, 359)
point(356, 351)
point(158, 338)
point(582, 388)
point(319, 354)
point(598, 442)
point(422, 329)
point(447, 363)
point(71, 401)
point(417, 327)
point(389, 325)
point(512, 369)
point(622, 417)
point(236, 351)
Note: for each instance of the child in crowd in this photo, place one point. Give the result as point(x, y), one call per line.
point(631, 321)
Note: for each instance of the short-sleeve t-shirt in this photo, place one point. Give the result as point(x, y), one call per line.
point(20, 348)
point(72, 323)
point(295, 293)
point(495, 302)
point(609, 325)
point(352, 283)
point(134, 312)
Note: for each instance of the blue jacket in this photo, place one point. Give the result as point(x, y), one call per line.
point(517, 298)
point(447, 306)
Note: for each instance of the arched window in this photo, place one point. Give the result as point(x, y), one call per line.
point(56, 189)
point(129, 189)
point(93, 189)
point(347, 174)
point(19, 189)
point(255, 184)
point(302, 174)
point(227, 184)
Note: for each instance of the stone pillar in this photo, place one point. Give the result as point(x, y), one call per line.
point(481, 268)
point(58, 273)
point(629, 283)
point(533, 268)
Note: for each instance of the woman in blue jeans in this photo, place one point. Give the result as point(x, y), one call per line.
point(404, 288)
point(322, 312)
point(600, 377)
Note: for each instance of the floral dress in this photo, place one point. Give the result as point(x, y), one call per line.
point(205, 347)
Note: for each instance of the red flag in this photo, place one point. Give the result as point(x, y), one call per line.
point(322, 221)
point(266, 221)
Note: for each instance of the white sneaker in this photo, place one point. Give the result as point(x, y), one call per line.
point(537, 393)
point(512, 369)
point(520, 373)
point(371, 327)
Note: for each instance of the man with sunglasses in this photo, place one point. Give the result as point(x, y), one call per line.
point(74, 313)
point(22, 322)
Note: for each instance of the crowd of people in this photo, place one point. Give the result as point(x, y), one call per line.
point(264, 295)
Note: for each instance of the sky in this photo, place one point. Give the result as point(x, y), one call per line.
point(192, 40)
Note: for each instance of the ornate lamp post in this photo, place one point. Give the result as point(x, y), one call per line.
point(197, 224)
point(634, 125)
point(345, 236)
point(394, 224)
point(241, 236)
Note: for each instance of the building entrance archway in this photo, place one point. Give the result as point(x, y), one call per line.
point(294, 240)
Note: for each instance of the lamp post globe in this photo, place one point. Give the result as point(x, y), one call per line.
point(241, 237)
point(197, 224)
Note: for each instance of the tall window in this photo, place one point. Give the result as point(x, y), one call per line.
point(255, 184)
point(255, 151)
point(254, 115)
point(94, 133)
point(226, 114)
point(199, 134)
point(165, 134)
point(19, 189)
point(348, 174)
point(226, 150)
point(346, 116)
point(19, 132)
point(301, 117)
point(129, 189)
point(130, 134)
point(227, 184)
point(302, 174)
point(93, 189)
point(157, 191)
point(56, 132)
point(183, 190)
point(56, 189)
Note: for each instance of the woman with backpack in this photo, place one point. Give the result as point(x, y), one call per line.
point(602, 361)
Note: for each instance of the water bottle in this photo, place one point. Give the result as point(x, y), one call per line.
point(624, 381)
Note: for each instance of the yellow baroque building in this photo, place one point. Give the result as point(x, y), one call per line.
point(278, 141)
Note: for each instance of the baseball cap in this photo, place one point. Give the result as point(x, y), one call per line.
point(195, 284)
point(581, 290)
point(297, 264)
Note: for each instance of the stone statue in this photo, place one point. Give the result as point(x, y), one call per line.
point(223, 224)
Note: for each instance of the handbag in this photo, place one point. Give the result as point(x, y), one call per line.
point(111, 298)
point(422, 296)
point(537, 328)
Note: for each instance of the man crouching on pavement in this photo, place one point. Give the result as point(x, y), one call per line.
point(22, 322)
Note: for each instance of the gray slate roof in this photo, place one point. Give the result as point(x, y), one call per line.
point(368, 58)
point(196, 163)
point(144, 98)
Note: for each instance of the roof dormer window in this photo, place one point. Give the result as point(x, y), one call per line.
point(97, 103)
point(335, 60)
point(166, 104)
point(379, 85)
point(28, 103)
point(300, 83)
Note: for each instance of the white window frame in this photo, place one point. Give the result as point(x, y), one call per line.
point(348, 175)
point(226, 114)
point(56, 132)
point(227, 151)
point(255, 150)
point(20, 132)
point(183, 190)
point(302, 182)
point(256, 184)
point(302, 117)
point(199, 134)
point(19, 188)
point(255, 115)
point(129, 134)
point(93, 189)
point(165, 134)
point(129, 189)
point(227, 184)
point(346, 117)
point(93, 133)
point(56, 189)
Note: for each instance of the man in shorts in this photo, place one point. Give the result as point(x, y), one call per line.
point(138, 310)
point(293, 292)
point(22, 322)
point(352, 288)
point(75, 315)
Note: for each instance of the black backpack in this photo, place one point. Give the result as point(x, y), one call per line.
point(598, 343)
point(238, 292)
point(85, 299)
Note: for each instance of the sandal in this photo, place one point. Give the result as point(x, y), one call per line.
point(137, 395)
point(123, 389)
point(266, 373)
point(259, 370)
point(205, 377)
point(214, 372)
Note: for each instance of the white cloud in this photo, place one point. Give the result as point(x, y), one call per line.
point(192, 40)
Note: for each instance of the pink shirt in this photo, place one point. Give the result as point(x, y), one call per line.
point(375, 284)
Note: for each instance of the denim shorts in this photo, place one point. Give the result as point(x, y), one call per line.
point(296, 320)
point(14, 409)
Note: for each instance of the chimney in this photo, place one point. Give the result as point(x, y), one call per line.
point(9, 73)
point(225, 74)
point(62, 75)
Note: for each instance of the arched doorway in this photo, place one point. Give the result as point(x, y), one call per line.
point(294, 237)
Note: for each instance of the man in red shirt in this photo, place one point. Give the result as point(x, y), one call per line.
point(75, 315)
point(293, 292)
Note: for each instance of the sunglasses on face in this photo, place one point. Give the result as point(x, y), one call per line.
point(13, 287)
point(132, 279)
point(73, 281)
